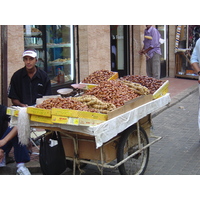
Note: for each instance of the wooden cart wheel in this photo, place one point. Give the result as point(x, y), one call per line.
point(127, 145)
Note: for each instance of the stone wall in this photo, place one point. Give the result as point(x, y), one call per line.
point(15, 48)
point(139, 64)
point(94, 48)
point(171, 55)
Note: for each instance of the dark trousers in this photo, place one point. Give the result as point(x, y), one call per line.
point(21, 153)
point(4, 119)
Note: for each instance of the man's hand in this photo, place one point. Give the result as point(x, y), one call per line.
point(141, 52)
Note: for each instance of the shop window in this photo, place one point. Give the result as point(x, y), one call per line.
point(54, 45)
point(186, 37)
point(193, 35)
point(163, 29)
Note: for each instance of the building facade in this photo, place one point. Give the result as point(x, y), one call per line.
point(70, 53)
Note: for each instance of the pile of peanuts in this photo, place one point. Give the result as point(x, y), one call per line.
point(113, 91)
point(110, 94)
point(98, 76)
point(151, 83)
point(64, 103)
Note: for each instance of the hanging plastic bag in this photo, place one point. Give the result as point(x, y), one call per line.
point(162, 41)
point(52, 155)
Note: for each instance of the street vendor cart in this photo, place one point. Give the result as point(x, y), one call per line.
point(118, 138)
point(121, 142)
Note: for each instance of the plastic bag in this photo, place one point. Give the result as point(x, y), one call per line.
point(162, 41)
point(52, 155)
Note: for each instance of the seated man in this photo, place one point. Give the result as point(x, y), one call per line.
point(21, 153)
point(26, 85)
point(8, 140)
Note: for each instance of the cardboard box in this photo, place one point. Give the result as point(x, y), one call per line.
point(84, 118)
point(75, 121)
point(59, 119)
point(87, 149)
point(64, 112)
point(65, 120)
point(114, 77)
point(90, 86)
point(146, 124)
point(92, 115)
point(164, 89)
point(78, 114)
point(189, 71)
point(42, 119)
point(12, 111)
point(89, 122)
point(39, 111)
point(130, 105)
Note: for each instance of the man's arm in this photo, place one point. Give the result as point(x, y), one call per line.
point(4, 141)
point(194, 60)
point(16, 102)
point(195, 67)
point(8, 137)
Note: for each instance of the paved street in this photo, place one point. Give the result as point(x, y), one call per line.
point(178, 152)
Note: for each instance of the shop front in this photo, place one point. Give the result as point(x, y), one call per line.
point(69, 53)
point(186, 37)
point(120, 48)
point(55, 48)
point(163, 29)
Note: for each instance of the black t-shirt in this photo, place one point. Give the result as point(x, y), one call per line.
point(27, 90)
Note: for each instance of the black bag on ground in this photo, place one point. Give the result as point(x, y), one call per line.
point(52, 155)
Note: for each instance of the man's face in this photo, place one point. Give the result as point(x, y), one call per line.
point(29, 62)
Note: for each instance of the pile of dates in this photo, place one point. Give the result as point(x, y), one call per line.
point(113, 91)
point(98, 76)
point(64, 103)
point(151, 83)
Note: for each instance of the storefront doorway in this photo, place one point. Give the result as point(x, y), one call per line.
point(120, 58)
point(163, 29)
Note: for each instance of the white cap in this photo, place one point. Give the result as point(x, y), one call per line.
point(30, 53)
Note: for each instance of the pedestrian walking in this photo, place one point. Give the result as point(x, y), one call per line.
point(152, 51)
point(195, 63)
